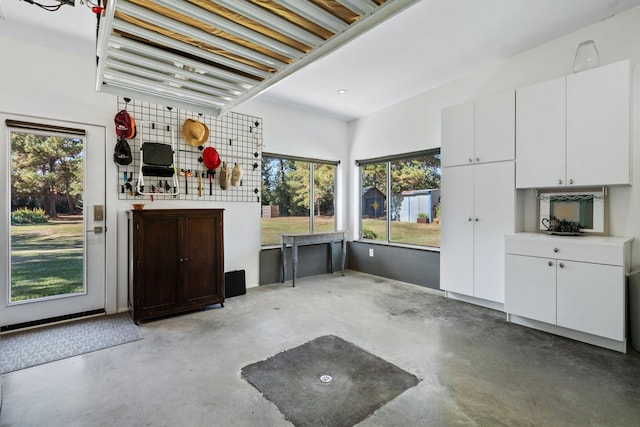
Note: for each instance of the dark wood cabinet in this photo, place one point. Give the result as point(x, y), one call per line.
point(176, 261)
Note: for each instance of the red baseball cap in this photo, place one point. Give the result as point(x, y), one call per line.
point(210, 158)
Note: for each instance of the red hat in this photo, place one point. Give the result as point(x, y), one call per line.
point(210, 158)
point(124, 127)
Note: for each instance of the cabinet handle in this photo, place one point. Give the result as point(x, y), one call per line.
point(550, 264)
point(559, 181)
point(556, 250)
point(561, 265)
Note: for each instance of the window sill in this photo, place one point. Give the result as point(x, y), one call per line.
point(398, 245)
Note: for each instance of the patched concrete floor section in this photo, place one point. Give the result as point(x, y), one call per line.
point(474, 368)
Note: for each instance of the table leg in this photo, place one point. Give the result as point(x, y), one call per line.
point(294, 251)
point(344, 253)
point(331, 256)
point(282, 257)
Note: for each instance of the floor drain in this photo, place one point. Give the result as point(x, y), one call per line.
point(326, 378)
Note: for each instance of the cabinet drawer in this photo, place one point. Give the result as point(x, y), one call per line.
point(584, 249)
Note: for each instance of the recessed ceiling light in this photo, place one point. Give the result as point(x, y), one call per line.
point(342, 91)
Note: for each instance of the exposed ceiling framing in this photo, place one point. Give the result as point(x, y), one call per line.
point(211, 55)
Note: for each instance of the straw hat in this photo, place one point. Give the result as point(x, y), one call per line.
point(195, 133)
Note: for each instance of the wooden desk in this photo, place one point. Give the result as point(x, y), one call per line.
point(296, 240)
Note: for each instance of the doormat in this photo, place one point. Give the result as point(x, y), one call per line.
point(24, 349)
point(327, 382)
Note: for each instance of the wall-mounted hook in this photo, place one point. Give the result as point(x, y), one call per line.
point(127, 100)
point(153, 125)
point(255, 190)
point(255, 166)
point(256, 154)
point(169, 108)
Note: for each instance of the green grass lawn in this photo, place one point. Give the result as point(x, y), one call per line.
point(401, 232)
point(46, 259)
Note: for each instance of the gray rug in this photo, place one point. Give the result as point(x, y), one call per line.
point(24, 349)
point(327, 382)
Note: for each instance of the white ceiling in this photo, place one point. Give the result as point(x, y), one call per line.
point(428, 44)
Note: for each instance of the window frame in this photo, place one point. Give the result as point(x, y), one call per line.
point(312, 162)
point(388, 160)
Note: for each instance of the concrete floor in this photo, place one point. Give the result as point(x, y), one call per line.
point(475, 369)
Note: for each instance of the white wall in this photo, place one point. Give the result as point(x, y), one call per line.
point(43, 83)
point(415, 123)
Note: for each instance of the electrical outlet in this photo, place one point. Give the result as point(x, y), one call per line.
point(370, 252)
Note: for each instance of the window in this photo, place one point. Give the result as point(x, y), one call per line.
point(411, 215)
point(297, 196)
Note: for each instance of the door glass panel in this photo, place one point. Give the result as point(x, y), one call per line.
point(373, 192)
point(323, 197)
point(47, 225)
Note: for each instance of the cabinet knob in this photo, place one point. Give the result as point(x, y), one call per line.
point(556, 250)
point(477, 159)
point(571, 181)
point(469, 219)
point(559, 181)
point(476, 219)
point(181, 259)
point(470, 160)
point(561, 265)
point(550, 263)
point(186, 259)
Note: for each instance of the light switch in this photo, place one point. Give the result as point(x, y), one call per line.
point(98, 212)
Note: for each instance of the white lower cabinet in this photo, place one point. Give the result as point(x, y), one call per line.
point(571, 286)
point(590, 298)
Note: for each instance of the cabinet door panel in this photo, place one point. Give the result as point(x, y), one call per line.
point(541, 134)
point(158, 256)
point(201, 274)
point(591, 298)
point(457, 134)
point(495, 117)
point(598, 120)
point(494, 208)
point(531, 288)
point(456, 248)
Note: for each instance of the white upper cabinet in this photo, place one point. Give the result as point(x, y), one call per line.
point(495, 127)
point(540, 134)
point(598, 120)
point(575, 130)
point(479, 131)
point(457, 135)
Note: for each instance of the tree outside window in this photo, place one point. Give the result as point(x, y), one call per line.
point(291, 201)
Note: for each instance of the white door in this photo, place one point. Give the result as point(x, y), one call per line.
point(530, 288)
point(457, 135)
point(541, 134)
point(456, 247)
point(495, 129)
point(598, 121)
point(494, 207)
point(53, 234)
point(590, 298)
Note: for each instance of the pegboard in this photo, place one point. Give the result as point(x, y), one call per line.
point(236, 137)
